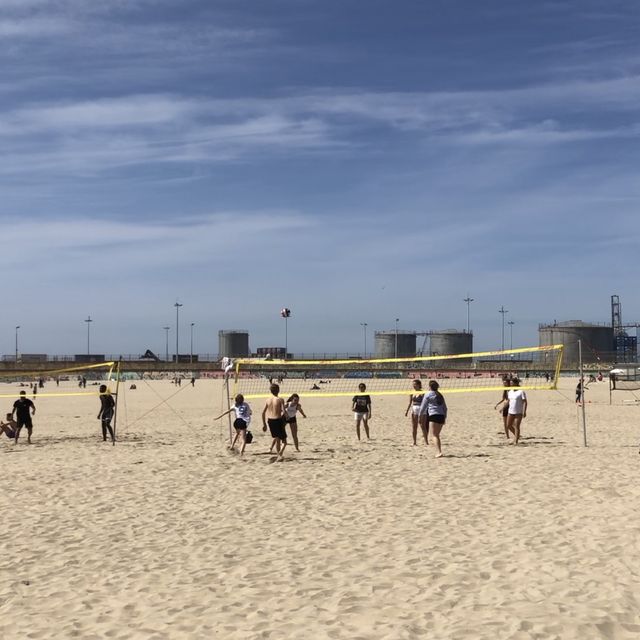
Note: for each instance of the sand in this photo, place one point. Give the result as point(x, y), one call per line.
point(167, 535)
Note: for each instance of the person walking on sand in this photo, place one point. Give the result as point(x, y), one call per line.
point(105, 415)
point(274, 414)
point(241, 423)
point(361, 407)
point(23, 409)
point(415, 400)
point(291, 411)
point(434, 408)
point(504, 403)
point(517, 409)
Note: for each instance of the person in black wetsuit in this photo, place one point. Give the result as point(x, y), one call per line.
point(23, 409)
point(107, 407)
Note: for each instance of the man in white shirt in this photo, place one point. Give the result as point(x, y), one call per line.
point(517, 409)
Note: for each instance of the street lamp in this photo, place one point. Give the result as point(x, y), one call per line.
point(511, 323)
point(364, 326)
point(396, 348)
point(191, 352)
point(167, 342)
point(88, 321)
point(502, 311)
point(177, 305)
point(17, 327)
point(468, 300)
point(286, 314)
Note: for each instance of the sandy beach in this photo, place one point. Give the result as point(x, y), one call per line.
point(168, 535)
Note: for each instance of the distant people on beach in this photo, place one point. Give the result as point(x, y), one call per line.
point(415, 400)
point(107, 410)
point(291, 409)
point(361, 407)
point(274, 414)
point(517, 409)
point(434, 408)
point(193, 381)
point(241, 423)
point(23, 410)
point(580, 388)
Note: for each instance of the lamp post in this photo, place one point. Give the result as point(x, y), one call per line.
point(364, 326)
point(286, 314)
point(511, 323)
point(468, 300)
point(502, 311)
point(17, 327)
point(191, 351)
point(177, 305)
point(396, 341)
point(88, 321)
point(167, 342)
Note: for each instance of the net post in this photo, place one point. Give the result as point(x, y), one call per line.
point(115, 409)
point(226, 385)
point(610, 390)
point(584, 415)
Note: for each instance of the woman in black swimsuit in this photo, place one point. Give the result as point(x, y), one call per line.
point(506, 381)
point(415, 400)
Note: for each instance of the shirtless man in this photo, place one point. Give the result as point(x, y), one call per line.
point(274, 414)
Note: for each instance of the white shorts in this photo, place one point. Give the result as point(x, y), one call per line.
point(360, 416)
point(415, 409)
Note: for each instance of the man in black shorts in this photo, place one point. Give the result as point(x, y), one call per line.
point(23, 409)
point(274, 414)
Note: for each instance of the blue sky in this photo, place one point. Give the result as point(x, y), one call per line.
point(353, 161)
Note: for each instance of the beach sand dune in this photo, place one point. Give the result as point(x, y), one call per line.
point(168, 535)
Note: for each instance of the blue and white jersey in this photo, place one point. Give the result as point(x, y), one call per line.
point(243, 411)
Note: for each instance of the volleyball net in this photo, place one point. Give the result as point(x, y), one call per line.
point(65, 381)
point(535, 367)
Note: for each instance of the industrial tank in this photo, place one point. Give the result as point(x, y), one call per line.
point(385, 344)
point(597, 340)
point(451, 342)
point(233, 343)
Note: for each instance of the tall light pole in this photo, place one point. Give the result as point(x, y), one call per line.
point(502, 311)
point(167, 342)
point(396, 349)
point(511, 323)
point(17, 327)
point(468, 300)
point(88, 321)
point(191, 351)
point(364, 326)
point(177, 305)
point(286, 314)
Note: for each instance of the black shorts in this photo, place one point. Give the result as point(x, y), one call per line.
point(505, 411)
point(10, 433)
point(276, 427)
point(24, 422)
point(438, 419)
point(293, 421)
point(239, 424)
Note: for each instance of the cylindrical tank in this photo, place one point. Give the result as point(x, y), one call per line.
point(233, 343)
point(385, 344)
point(597, 340)
point(451, 342)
